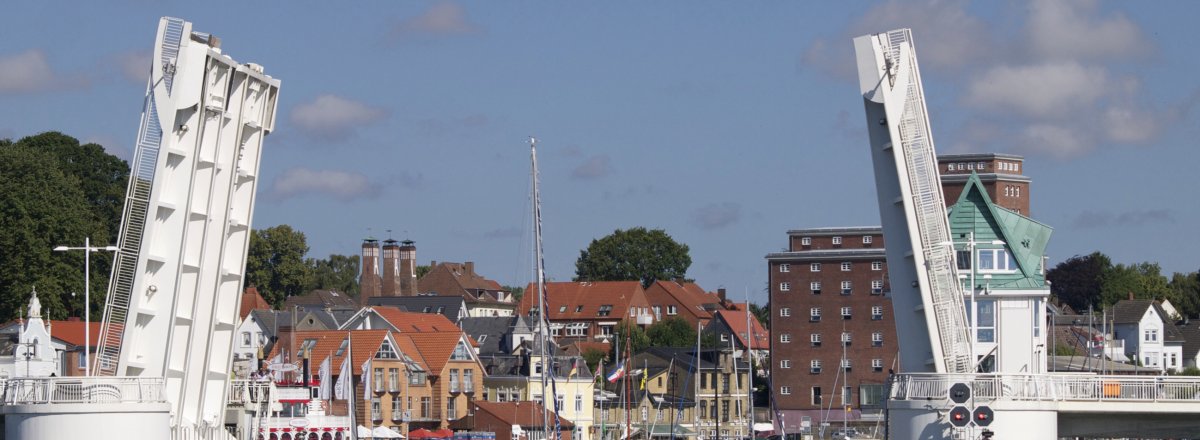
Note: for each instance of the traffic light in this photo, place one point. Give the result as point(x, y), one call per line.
point(960, 393)
point(960, 416)
point(983, 416)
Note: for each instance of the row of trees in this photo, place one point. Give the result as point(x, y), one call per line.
point(55, 191)
point(1093, 280)
point(278, 266)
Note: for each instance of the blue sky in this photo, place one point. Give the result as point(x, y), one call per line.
point(724, 123)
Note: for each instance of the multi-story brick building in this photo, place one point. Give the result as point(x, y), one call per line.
point(832, 330)
point(1001, 174)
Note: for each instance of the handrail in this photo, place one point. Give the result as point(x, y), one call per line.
point(95, 389)
point(1051, 387)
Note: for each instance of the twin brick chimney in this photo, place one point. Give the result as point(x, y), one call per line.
point(399, 274)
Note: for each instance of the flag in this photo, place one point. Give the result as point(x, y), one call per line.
point(366, 374)
point(617, 373)
point(574, 368)
point(341, 390)
point(644, 375)
point(326, 378)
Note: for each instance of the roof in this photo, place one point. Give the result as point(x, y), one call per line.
point(837, 230)
point(460, 279)
point(736, 321)
point(406, 322)
point(1024, 238)
point(436, 348)
point(450, 306)
point(364, 344)
point(72, 332)
point(1191, 338)
point(320, 299)
point(1130, 311)
point(525, 414)
point(687, 296)
point(575, 300)
point(488, 331)
point(251, 300)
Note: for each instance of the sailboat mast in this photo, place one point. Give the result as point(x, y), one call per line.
point(750, 338)
point(352, 391)
point(543, 324)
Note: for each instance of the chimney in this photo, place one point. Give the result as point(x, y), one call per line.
point(391, 268)
point(369, 283)
point(721, 294)
point(469, 267)
point(1131, 295)
point(408, 268)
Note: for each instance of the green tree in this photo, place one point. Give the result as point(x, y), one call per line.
point(592, 357)
point(275, 263)
point(1143, 280)
point(1186, 293)
point(338, 272)
point(633, 254)
point(671, 332)
point(42, 207)
point(637, 339)
point(762, 313)
point(103, 178)
point(1077, 281)
point(422, 270)
point(517, 292)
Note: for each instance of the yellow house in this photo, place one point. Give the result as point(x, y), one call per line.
point(518, 377)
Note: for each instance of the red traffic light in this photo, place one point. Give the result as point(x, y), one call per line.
point(983, 416)
point(960, 416)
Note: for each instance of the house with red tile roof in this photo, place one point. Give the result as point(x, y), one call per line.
point(251, 300)
point(685, 300)
point(730, 324)
point(384, 317)
point(484, 297)
point(589, 310)
point(504, 418)
point(455, 373)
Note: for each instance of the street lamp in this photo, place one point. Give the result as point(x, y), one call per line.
point(87, 295)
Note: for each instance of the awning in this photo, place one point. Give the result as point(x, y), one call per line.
point(364, 431)
point(381, 432)
point(759, 427)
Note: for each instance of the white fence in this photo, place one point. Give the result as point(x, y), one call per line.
point(1051, 387)
point(95, 389)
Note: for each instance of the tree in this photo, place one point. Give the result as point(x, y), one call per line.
point(1186, 293)
point(633, 254)
point(275, 263)
point(422, 270)
point(103, 178)
point(592, 357)
point(338, 272)
point(42, 207)
point(517, 292)
point(762, 313)
point(1077, 281)
point(637, 339)
point(672, 332)
point(1143, 280)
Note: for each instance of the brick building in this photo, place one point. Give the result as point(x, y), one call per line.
point(832, 332)
point(1001, 175)
point(589, 310)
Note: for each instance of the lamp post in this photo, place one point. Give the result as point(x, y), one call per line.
point(87, 297)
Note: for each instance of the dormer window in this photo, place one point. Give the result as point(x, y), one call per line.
point(386, 351)
point(578, 309)
point(606, 310)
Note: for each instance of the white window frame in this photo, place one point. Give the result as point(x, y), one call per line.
point(814, 339)
point(837, 240)
point(867, 239)
point(805, 241)
point(877, 287)
point(847, 287)
point(998, 265)
point(814, 366)
point(814, 267)
point(877, 339)
point(672, 310)
point(846, 266)
point(785, 390)
point(877, 364)
point(876, 313)
point(785, 311)
point(846, 312)
point(847, 338)
point(815, 287)
point(814, 314)
point(785, 363)
point(785, 338)
point(785, 286)
point(785, 268)
point(876, 265)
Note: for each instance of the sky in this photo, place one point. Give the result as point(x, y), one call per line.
point(724, 123)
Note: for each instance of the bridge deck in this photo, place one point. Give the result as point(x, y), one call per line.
point(1076, 393)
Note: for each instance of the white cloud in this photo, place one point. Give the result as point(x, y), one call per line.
point(134, 66)
point(333, 118)
point(26, 72)
point(1073, 28)
point(594, 167)
point(442, 18)
point(341, 185)
point(1052, 89)
point(1054, 139)
point(716, 215)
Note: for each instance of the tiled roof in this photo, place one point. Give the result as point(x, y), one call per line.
point(1128, 311)
point(525, 414)
point(364, 344)
point(489, 331)
point(1191, 339)
point(589, 294)
point(449, 306)
point(688, 296)
point(435, 348)
point(406, 322)
point(737, 322)
point(320, 299)
point(72, 332)
point(251, 300)
point(405, 344)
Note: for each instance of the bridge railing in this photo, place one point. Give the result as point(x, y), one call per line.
point(95, 389)
point(1050, 387)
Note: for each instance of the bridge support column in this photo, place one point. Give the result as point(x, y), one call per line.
point(929, 420)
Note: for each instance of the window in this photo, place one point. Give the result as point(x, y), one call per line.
point(845, 338)
point(376, 411)
point(562, 309)
point(786, 363)
point(996, 260)
point(846, 266)
point(816, 396)
point(785, 312)
point(578, 309)
point(867, 239)
point(605, 310)
point(877, 287)
point(393, 379)
point(426, 407)
point(469, 381)
point(970, 166)
point(814, 366)
point(657, 312)
point(814, 314)
point(451, 408)
point(396, 411)
point(876, 265)
point(578, 403)
point(577, 329)
point(964, 259)
point(986, 327)
point(785, 268)
point(262, 339)
point(386, 351)
point(876, 313)
point(837, 241)
point(845, 313)
point(606, 330)
point(846, 287)
point(785, 390)
point(847, 394)
point(815, 286)
point(785, 338)
point(245, 339)
point(815, 339)
point(724, 410)
point(460, 353)
point(877, 339)
point(645, 414)
point(806, 241)
point(378, 377)
point(846, 364)
point(1037, 318)
point(1151, 335)
point(784, 287)
point(703, 382)
point(416, 378)
point(877, 365)
point(814, 267)
point(454, 381)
